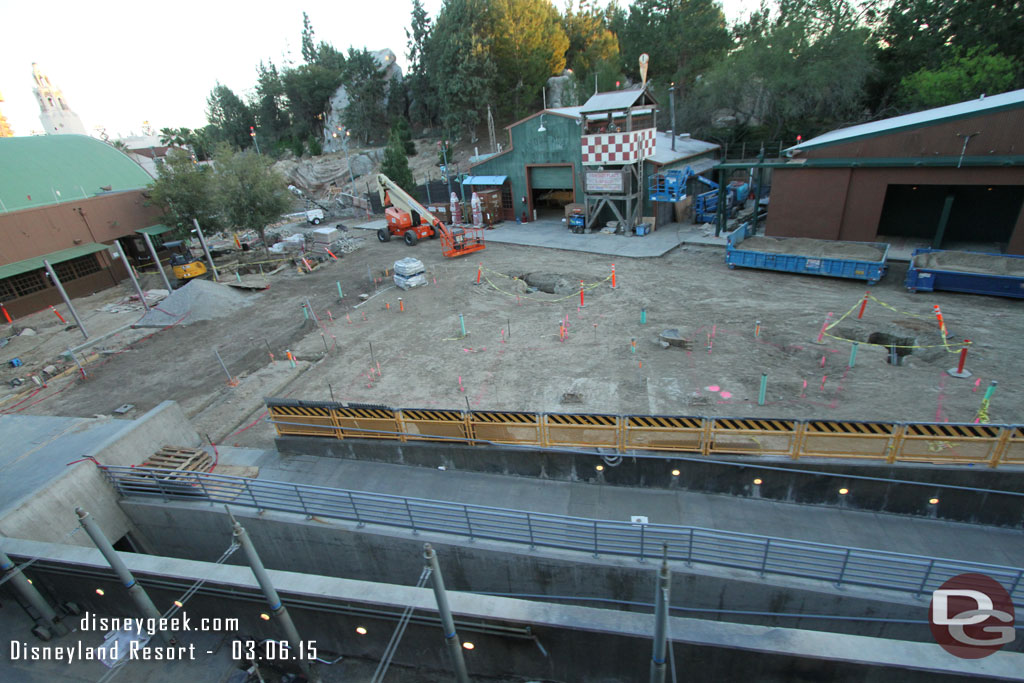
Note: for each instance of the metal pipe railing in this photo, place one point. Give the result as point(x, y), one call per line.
point(839, 565)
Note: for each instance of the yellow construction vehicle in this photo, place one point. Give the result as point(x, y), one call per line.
point(185, 266)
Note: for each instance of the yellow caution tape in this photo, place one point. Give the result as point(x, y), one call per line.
point(529, 298)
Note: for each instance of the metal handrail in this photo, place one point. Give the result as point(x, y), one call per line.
point(840, 565)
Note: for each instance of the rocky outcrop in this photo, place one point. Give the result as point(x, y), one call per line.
point(562, 91)
point(335, 117)
point(315, 175)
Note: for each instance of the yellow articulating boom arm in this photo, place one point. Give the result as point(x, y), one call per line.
point(454, 241)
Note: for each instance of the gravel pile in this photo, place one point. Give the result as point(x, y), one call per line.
point(198, 300)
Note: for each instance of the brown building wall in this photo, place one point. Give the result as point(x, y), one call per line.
point(34, 232)
point(83, 286)
point(997, 134)
point(807, 203)
point(846, 204)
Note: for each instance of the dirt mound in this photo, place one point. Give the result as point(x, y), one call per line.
point(802, 246)
point(198, 300)
point(969, 262)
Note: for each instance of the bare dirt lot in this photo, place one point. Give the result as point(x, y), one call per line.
point(534, 350)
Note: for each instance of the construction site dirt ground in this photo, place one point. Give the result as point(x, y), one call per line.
point(532, 350)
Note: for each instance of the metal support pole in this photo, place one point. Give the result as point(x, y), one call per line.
point(720, 216)
point(672, 112)
point(135, 591)
point(276, 606)
point(31, 594)
point(156, 260)
point(131, 274)
point(940, 230)
point(661, 599)
point(206, 250)
point(64, 295)
point(757, 195)
point(451, 638)
point(447, 171)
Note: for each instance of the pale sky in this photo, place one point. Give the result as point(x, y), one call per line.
point(120, 63)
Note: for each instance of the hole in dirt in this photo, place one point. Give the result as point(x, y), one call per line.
point(902, 344)
point(551, 283)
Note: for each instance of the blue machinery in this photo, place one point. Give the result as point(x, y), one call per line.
point(670, 186)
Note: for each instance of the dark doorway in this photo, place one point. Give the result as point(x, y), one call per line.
point(978, 214)
point(551, 188)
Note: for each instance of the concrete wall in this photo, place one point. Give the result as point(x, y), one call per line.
point(562, 643)
point(785, 484)
point(50, 515)
point(334, 548)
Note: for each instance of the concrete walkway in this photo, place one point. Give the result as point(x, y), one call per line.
point(894, 533)
point(553, 234)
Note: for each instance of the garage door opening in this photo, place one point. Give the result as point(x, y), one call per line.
point(980, 216)
point(551, 188)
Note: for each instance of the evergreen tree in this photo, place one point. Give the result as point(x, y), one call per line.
point(365, 114)
point(405, 133)
point(230, 116)
point(420, 90)
point(270, 105)
point(395, 164)
point(528, 45)
point(308, 40)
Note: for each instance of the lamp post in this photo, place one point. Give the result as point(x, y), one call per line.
point(252, 134)
point(672, 112)
point(447, 174)
point(344, 144)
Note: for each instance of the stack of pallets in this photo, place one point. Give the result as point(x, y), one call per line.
point(178, 459)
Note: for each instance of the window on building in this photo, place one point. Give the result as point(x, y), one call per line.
point(506, 197)
point(7, 290)
point(77, 267)
point(27, 283)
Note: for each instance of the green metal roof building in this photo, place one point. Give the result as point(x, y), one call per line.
point(65, 199)
point(543, 167)
point(44, 170)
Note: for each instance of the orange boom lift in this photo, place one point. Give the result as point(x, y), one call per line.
point(411, 221)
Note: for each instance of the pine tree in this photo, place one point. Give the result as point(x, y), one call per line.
point(395, 165)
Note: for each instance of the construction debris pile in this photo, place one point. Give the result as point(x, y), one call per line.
point(198, 300)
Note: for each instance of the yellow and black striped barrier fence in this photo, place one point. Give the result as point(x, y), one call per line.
point(730, 435)
point(665, 433)
point(922, 442)
point(506, 426)
point(839, 438)
point(584, 430)
point(968, 443)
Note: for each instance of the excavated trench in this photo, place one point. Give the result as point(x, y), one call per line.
point(898, 346)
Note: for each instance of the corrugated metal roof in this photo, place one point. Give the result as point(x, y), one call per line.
point(566, 111)
point(982, 105)
point(42, 170)
point(686, 147)
point(36, 262)
point(485, 180)
point(618, 99)
point(155, 230)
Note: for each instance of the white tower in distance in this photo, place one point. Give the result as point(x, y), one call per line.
point(54, 112)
